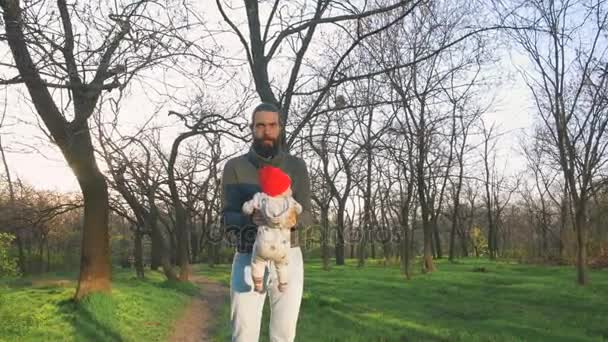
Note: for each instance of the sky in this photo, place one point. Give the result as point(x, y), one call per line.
point(46, 168)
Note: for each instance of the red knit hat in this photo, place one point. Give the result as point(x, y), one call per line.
point(273, 180)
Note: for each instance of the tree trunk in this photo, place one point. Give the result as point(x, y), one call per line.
point(495, 232)
point(164, 254)
point(433, 250)
point(21, 252)
point(383, 233)
point(455, 216)
point(213, 250)
point(157, 249)
point(491, 240)
point(48, 256)
point(40, 258)
point(437, 239)
point(325, 237)
point(367, 215)
point(545, 242)
point(182, 255)
point(581, 239)
point(563, 255)
point(372, 249)
point(194, 239)
point(490, 237)
point(139, 253)
point(181, 229)
point(411, 249)
point(95, 269)
point(405, 246)
point(163, 249)
point(405, 242)
point(453, 238)
point(562, 226)
point(463, 244)
point(428, 265)
point(340, 239)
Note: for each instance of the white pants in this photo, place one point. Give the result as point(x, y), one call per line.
point(246, 305)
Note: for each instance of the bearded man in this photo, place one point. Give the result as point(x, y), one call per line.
point(239, 185)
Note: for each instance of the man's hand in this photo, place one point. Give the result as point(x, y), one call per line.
point(292, 219)
point(258, 218)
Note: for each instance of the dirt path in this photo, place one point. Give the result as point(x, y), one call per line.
point(199, 318)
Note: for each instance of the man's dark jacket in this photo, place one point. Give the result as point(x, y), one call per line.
point(240, 183)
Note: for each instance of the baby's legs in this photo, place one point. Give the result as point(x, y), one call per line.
point(258, 267)
point(282, 272)
point(282, 261)
point(270, 245)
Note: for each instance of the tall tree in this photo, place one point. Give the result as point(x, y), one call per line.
point(569, 83)
point(199, 121)
point(77, 51)
point(431, 70)
point(338, 172)
point(135, 175)
point(461, 135)
point(11, 190)
point(289, 29)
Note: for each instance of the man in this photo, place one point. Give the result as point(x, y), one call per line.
point(239, 184)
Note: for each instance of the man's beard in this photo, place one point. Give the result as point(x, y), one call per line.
point(264, 149)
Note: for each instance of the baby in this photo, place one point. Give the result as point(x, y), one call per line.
point(272, 241)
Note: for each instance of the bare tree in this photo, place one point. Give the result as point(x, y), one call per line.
point(498, 191)
point(294, 27)
point(469, 216)
point(136, 176)
point(9, 181)
point(320, 195)
point(568, 80)
point(199, 121)
point(35, 215)
point(541, 200)
point(490, 184)
point(465, 122)
point(66, 57)
point(338, 172)
point(405, 179)
point(422, 89)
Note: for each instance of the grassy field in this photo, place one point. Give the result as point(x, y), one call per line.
point(508, 302)
point(41, 309)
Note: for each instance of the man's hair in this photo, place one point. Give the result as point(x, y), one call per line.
point(266, 107)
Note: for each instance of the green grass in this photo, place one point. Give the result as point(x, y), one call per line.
point(508, 302)
point(41, 309)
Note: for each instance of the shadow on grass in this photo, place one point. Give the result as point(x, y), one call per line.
point(220, 273)
point(507, 302)
point(92, 318)
point(504, 304)
point(354, 322)
point(187, 288)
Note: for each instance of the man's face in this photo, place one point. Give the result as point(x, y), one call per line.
point(266, 129)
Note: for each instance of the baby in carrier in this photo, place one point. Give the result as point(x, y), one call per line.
point(272, 241)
